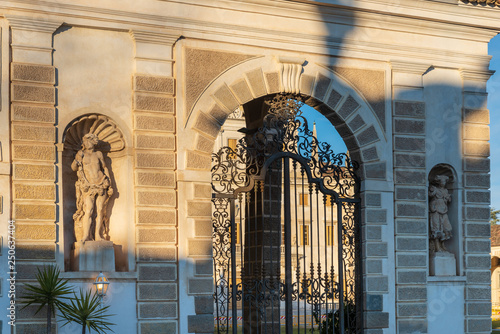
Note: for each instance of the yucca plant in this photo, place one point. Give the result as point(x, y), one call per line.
point(86, 310)
point(50, 291)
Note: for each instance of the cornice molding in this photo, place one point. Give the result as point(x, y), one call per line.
point(151, 37)
point(409, 67)
point(476, 75)
point(33, 24)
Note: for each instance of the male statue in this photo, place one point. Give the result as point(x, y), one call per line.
point(438, 213)
point(93, 190)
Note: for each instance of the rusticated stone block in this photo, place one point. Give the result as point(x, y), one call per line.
point(409, 177)
point(204, 267)
point(356, 123)
point(479, 325)
point(157, 235)
point(158, 179)
point(202, 190)
point(157, 291)
point(376, 319)
point(348, 107)
point(157, 327)
point(200, 247)
point(35, 232)
point(27, 271)
point(200, 285)
point(31, 132)
point(377, 284)
point(410, 261)
point(373, 266)
point(370, 154)
point(477, 132)
point(242, 91)
point(157, 310)
point(34, 328)
point(372, 199)
point(477, 213)
point(477, 148)
point(198, 161)
point(411, 293)
point(373, 302)
point(27, 191)
point(409, 126)
point(409, 144)
point(207, 125)
point(411, 226)
point(256, 80)
point(367, 136)
point(204, 304)
point(155, 160)
point(35, 211)
point(152, 254)
point(372, 233)
point(414, 194)
point(32, 113)
point(478, 262)
point(376, 249)
point(35, 252)
point(409, 160)
point(165, 142)
point(411, 210)
point(34, 172)
point(155, 84)
point(481, 116)
point(203, 228)
point(155, 123)
point(321, 87)
point(226, 98)
point(273, 82)
point(412, 326)
point(411, 277)
point(411, 244)
point(34, 152)
point(201, 323)
point(204, 144)
point(33, 73)
point(478, 230)
point(410, 109)
point(306, 84)
point(479, 309)
point(218, 113)
point(478, 197)
point(157, 217)
point(32, 93)
point(479, 293)
point(333, 99)
point(152, 272)
point(477, 165)
point(479, 276)
point(477, 180)
point(157, 198)
point(199, 209)
point(376, 216)
point(154, 103)
point(375, 170)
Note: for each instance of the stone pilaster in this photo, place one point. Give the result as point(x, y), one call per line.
point(410, 197)
point(155, 183)
point(476, 201)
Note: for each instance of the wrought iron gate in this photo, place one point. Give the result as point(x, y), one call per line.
point(285, 231)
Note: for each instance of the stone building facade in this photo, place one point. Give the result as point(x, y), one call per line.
point(403, 82)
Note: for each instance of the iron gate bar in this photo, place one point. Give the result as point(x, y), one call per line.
point(233, 267)
point(288, 248)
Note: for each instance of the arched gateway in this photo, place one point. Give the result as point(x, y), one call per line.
point(286, 243)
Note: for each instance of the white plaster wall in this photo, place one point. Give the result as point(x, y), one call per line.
point(446, 307)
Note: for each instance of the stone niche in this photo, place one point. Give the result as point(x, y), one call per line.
point(445, 263)
point(95, 254)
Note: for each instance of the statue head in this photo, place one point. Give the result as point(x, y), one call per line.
point(441, 180)
point(89, 140)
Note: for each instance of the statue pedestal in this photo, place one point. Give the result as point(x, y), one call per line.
point(95, 256)
point(443, 264)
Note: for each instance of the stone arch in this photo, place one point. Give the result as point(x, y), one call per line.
point(322, 88)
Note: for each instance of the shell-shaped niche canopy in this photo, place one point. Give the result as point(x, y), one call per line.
point(110, 136)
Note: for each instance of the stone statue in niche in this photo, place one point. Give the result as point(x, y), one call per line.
point(93, 190)
point(439, 199)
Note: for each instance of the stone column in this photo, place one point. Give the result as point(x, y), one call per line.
point(410, 196)
point(476, 181)
point(155, 182)
point(33, 152)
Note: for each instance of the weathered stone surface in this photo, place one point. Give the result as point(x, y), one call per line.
point(165, 142)
point(376, 249)
point(367, 136)
point(226, 98)
point(33, 73)
point(242, 91)
point(157, 310)
point(33, 328)
point(411, 260)
point(479, 293)
point(26, 271)
point(370, 154)
point(478, 261)
point(373, 199)
point(256, 80)
point(35, 252)
point(409, 177)
point(35, 211)
point(27, 191)
point(479, 325)
point(376, 319)
point(204, 267)
point(159, 327)
point(478, 197)
point(34, 172)
point(33, 93)
point(158, 253)
point(33, 113)
point(155, 160)
point(157, 179)
point(481, 116)
point(411, 276)
point(196, 160)
point(407, 126)
point(321, 87)
point(411, 293)
point(477, 230)
point(477, 213)
point(155, 123)
point(479, 309)
point(202, 190)
point(200, 247)
point(204, 304)
point(411, 226)
point(409, 160)
point(372, 233)
point(477, 132)
point(204, 144)
point(163, 235)
point(477, 148)
point(156, 291)
point(356, 123)
point(348, 107)
point(199, 208)
point(157, 198)
point(412, 326)
point(153, 272)
point(411, 210)
point(207, 125)
point(477, 180)
point(377, 284)
point(31, 132)
point(409, 144)
point(375, 170)
point(415, 194)
point(155, 84)
point(306, 83)
point(377, 216)
point(273, 82)
point(410, 109)
point(411, 244)
point(200, 285)
point(373, 266)
point(477, 165)
point(154, 103)
point(201, 323)
point(479, 276)
point(159, 217)
point(34, 152)
point(35, 232)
